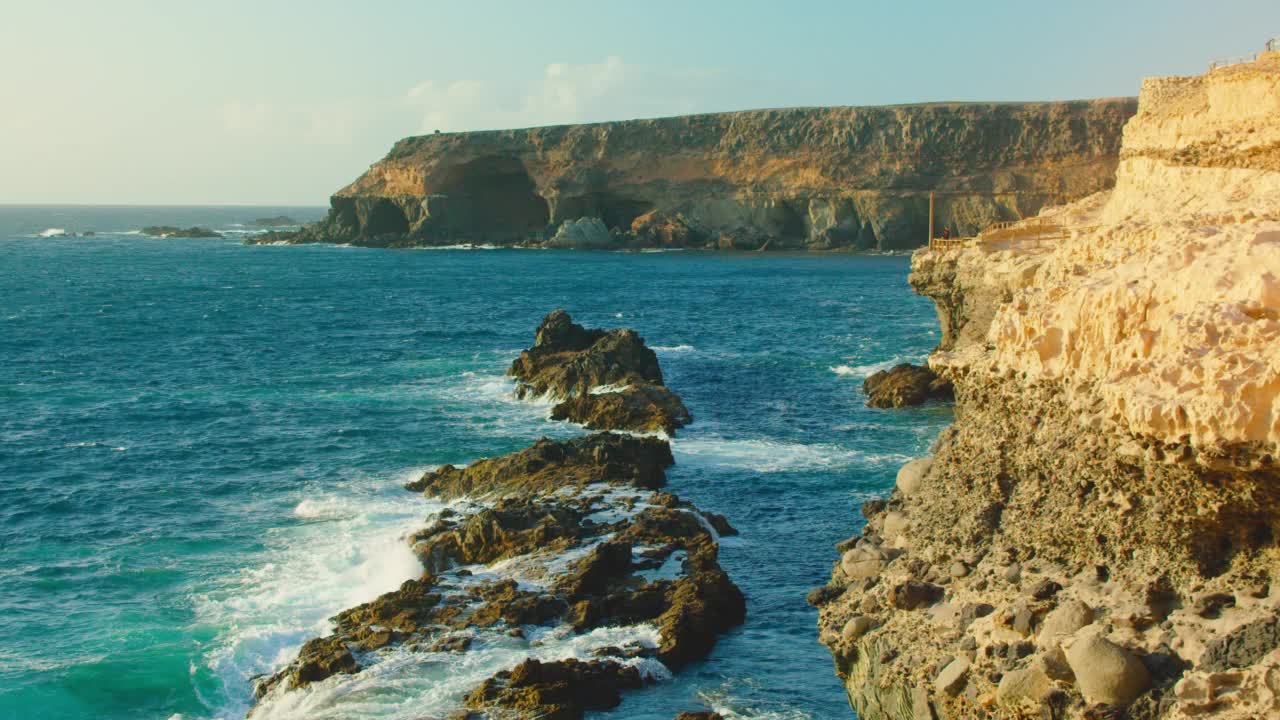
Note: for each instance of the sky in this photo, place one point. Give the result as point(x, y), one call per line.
point(269, 102)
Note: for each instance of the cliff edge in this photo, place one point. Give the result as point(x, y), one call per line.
point(1095, 535)
point(820, 178)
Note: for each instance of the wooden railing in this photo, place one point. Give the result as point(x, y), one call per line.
point(1034, 230)
point(1271, 45)
point(945, 244)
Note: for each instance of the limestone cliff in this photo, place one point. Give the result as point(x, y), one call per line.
point(840, 177)
point(1095, 536)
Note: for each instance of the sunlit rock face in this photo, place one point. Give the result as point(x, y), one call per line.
point(819, 178)
point(1096, 535)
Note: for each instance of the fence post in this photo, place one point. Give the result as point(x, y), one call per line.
point(930, 217)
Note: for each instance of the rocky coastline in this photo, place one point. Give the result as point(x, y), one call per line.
point(832, 178)
point(561, 539)
point(1095, 535)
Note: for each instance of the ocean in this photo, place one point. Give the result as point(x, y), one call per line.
point(203, 445)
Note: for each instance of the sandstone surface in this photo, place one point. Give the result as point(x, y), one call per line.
point(1101, 518)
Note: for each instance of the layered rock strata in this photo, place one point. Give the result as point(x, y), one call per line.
point(816, 178)
point(1095, 536)
point(560, 546)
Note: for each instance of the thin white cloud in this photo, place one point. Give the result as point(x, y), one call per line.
point(563, 93)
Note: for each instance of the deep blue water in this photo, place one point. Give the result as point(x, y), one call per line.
point(202, 442)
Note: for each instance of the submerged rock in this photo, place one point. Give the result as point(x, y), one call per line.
point(588, 233)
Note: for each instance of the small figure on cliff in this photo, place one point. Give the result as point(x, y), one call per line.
point(946, 233)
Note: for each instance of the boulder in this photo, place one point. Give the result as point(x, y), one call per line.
point(863, 562)
point(914, 594)
point(1027, 685)
point(560, 690)
point(656, 229)
point(905, 385)
point(895, 523)
point(1063, 621)
point(1105, 672)
point(856, 627)
point(588, 233)
point(952, 677)
point(911, 475)
point(318, 659)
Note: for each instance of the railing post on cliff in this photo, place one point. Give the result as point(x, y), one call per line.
point(931, 218)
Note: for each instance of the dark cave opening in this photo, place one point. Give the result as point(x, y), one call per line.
point(385, 218)
point(494, 195)
point(617, 211)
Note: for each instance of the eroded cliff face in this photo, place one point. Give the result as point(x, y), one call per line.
point(820, 178)
point(1095, 536)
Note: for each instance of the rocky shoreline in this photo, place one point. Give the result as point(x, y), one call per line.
point(1095, 535)
point(562, 539)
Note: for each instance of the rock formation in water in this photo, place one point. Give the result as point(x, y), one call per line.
point(605, 380)
point(170, 231)
point(1096, 534)
point(817, 178)
point(905, 385)
point(551, 542)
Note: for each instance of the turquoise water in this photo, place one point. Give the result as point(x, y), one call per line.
point(202, 442)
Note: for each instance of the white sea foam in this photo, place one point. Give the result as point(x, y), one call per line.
point(307, 574)
point(763, 455)
point(673, 349)
point(863, 371)
point(404, 685)
point(52, 232)
point(727, 701)
point(401, 684)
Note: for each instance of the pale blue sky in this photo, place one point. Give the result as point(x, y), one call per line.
point(273, 102)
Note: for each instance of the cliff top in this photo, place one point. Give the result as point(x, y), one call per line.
point(764, 112)
point(1162, 306)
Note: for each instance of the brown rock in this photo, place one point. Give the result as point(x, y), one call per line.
point(913, 594)
point(560, 690)
point(905, 385)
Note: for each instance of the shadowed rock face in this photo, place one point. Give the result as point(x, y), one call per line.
point(819, 178)
point(606, 380)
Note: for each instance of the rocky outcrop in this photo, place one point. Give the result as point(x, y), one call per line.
point(562, 538)
point(816, 178)
point(602, 379)
point(169, 231)
point(1095, 535)
point(905, 385)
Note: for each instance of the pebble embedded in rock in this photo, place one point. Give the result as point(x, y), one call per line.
point(1029, 684)
point(1064, 620)
point(895, 523)
point(959, 570)
point(862, 562)
point(951, 679)
point(1045, 589)
point(913, 594)
point(911, 475)
point(1105, 672)
point(1013, 573)
point(855, 628)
